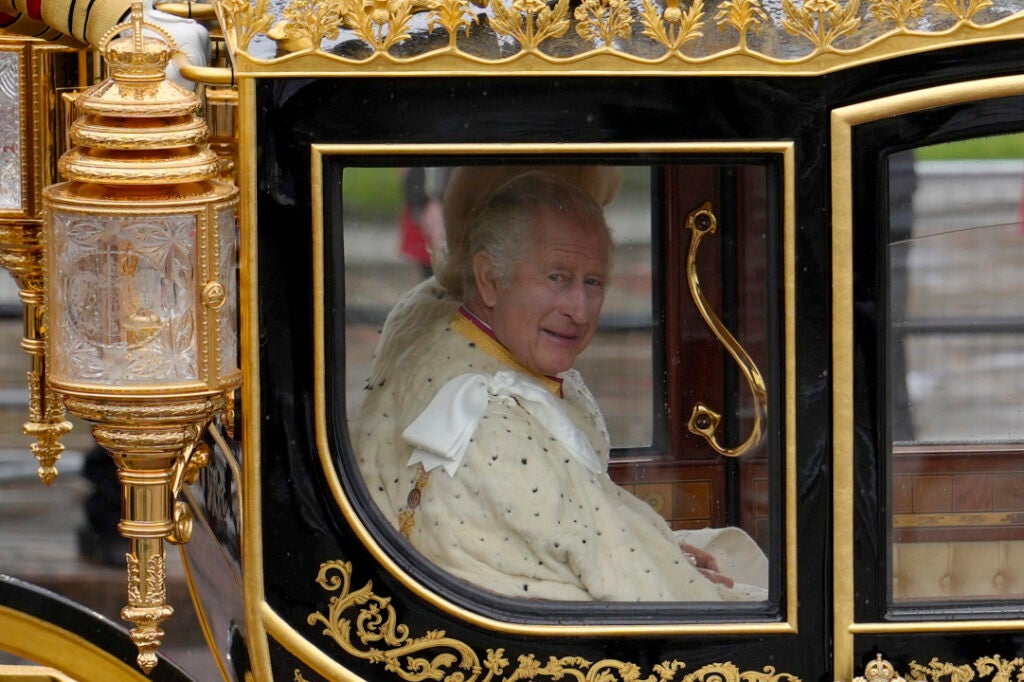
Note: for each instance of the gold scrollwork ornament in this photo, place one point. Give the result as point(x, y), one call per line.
point(365, 626)
point(939, 671)
point(995, 667)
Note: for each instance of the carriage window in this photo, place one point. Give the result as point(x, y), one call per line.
point(513, 332)
point(955, 362)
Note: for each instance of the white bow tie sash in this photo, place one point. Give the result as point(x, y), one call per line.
point(442, 432)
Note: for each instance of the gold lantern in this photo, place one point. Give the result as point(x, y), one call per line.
point(141, 271)
point(34, 74)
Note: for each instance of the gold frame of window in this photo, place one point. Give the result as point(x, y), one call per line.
point(263, 621)
point(843, 121)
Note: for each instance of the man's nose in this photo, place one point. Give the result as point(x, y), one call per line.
point(574, 303)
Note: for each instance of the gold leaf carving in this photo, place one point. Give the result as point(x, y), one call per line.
point(674, 28)
point(767, 675)
point(156, 590)
point(822, 21)
point(744, 16)
point(937, 671)
point(530, 22)
point(999, 668)
point(963, 10)
point(381, 23)
point(313, 20)
point(1002, 668)
point(452, 16)
point(245, 20)
point(604, 20)
point(836, 30)
point(366, 627)
point(134, 580)
point(898, 11)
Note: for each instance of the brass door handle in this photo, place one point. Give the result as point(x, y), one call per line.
point(704, 421)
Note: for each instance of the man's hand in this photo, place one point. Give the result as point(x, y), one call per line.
point(706, 563)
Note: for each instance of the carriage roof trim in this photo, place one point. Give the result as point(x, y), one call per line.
point(599, 37)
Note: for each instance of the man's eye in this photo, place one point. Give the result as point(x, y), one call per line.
point(556, 277)
point(594, 282)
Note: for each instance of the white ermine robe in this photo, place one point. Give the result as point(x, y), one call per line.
point(521, 513)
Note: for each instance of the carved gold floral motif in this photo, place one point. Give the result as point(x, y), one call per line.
point(821, 21)
point(603, 20)
point(675, 27)
point(313, 20)
point(452, 16)
point(897, 11)
point(787, 33)
point(365, 626)
point(246, 21)
point(530, 22)
point(381, 23)
point(964, 11)
point(744, 16)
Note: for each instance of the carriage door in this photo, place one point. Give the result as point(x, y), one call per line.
point(928, 250)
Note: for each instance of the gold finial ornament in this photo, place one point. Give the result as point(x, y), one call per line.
point(141, 259)
point(879, 670)
point(21, 253)
point(34, 74)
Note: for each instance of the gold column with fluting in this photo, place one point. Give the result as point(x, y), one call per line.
point(141, 297)
point(34, 74)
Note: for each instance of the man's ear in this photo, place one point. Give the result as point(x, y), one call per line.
point(486, 278)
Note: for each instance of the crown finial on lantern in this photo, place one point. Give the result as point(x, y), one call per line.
point(140, 58)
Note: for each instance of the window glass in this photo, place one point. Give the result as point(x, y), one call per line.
point(955, 362)
point(513, 418)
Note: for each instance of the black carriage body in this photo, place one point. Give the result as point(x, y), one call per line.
point(599, 119)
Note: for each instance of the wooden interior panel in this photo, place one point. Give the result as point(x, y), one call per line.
point(958, 493)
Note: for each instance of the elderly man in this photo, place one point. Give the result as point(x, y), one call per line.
point(479, 441)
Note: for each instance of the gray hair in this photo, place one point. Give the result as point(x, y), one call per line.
point(502, 227)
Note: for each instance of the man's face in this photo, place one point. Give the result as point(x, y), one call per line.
point(548, 313)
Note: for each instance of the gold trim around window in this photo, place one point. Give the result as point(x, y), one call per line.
point(553, 152)
point(843, 121)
